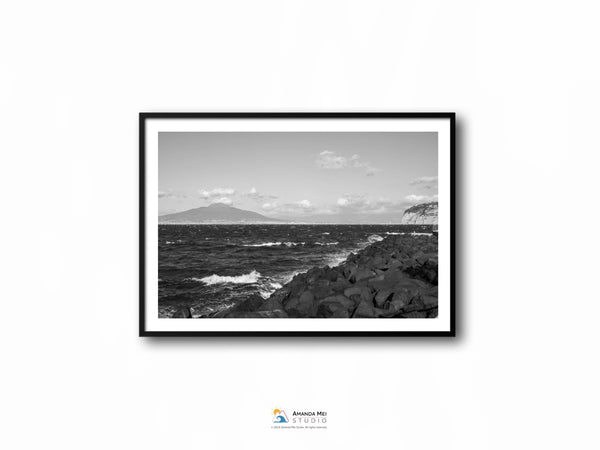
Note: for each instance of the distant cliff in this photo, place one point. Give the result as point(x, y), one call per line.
point(423, 214)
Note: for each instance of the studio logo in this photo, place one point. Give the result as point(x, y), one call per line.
point(299, 419)
point(279, 416)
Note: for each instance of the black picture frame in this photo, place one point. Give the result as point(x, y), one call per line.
point(144, 116)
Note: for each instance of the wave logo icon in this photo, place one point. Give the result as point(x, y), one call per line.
point(279, 416)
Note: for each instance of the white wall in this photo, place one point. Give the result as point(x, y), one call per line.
point(523, 78)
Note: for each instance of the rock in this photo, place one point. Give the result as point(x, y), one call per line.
point(340, 314)
point(378, 261)
point(432, 313)
point(322, 289)
point(182, 313)
point(399, 302)
point(331, 275)
point(352, 291)
point(329, 306)
point(364, 310)
point(349, 269)
point(314, 274)
point(366, 294)
point(271, 304)
point(244, 315)
point(428, 271)
point(393, 264)
point(303, 306)
point(251, 304)
point(345, 301)
point(278, 314)
point(340, 284)
point(414, 315)
point(416, 304)
point(394, 275)
point(380, 283)
point(364, 274)
point(430, 301)
point(404, 293)
point(382, 297)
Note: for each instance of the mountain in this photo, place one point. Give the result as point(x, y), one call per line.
point(216, 213)
point(423, 214)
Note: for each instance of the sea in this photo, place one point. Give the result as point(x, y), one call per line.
point(212, 267)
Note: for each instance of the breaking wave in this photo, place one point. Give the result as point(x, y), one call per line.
point(374, 238)
point(266, 291)
point(247, 278)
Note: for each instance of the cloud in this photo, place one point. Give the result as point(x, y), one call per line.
point(293, 208)
point(347, 207)
point(216, 192)
point(371, 171)
point(258, 196)
point(416, 199)
point(425, 182)
point(329, 160)
point(361, 204)
point(170, 194)
point(224, 200)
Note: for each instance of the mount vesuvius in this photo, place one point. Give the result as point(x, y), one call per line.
point(216, 213)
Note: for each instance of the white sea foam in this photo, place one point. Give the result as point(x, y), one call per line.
point(293, 244)
point(326, 243)
point(263, 244)
point(268, 289)
point(414, 233)
point(336, 260)
point(274, 244)
point(247, 278)
point(374, 238)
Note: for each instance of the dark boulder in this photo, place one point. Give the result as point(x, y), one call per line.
point(251, 304)
point(382, 297)
point(182, 313)
point(341, 314)
point(414, 315)
point(356, 290)
point(363, 274)
point(330, 305)
point(365, 309)
point(322, 289)
point(303, 306)
point(340, 284)
point(271, 304)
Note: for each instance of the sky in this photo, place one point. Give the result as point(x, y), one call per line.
point(365, 177)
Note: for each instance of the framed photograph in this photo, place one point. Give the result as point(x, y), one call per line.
point(329, 224)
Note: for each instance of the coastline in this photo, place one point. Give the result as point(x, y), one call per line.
point(392, 278)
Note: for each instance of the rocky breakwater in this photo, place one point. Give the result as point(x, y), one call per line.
point(395, 277)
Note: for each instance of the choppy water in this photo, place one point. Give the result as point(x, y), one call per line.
point(211, 267)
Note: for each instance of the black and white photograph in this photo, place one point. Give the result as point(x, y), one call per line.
point(278, 225)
